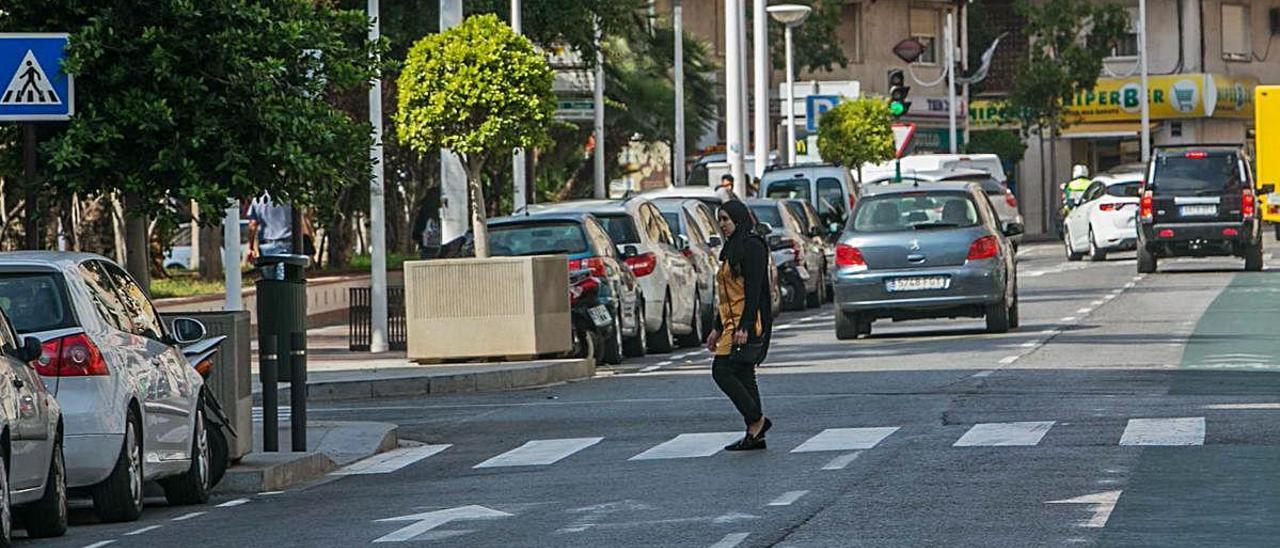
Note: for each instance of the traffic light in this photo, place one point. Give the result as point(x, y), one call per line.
point(899, 106)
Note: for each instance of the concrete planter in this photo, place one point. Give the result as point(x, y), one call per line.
point(482, 308)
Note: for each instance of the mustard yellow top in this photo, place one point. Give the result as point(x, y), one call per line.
point(731, 293)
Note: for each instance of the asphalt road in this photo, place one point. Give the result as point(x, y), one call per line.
point(1126, 411)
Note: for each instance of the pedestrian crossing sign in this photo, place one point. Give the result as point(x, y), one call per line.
point(35, 86)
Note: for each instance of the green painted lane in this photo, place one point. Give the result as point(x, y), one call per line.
point(1240, 331)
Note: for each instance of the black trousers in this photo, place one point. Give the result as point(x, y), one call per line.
point(738, 381)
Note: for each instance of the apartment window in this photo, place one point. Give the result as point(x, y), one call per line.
point(1236, 42)
point(851, 32)
point(1128, 44)
point(924, 27)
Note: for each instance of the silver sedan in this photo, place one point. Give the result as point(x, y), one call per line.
point(925, 251)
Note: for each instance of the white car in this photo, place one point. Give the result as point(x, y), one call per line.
point(179, 253)
point(1105, 220)
point(130, 400)
point(668, 281)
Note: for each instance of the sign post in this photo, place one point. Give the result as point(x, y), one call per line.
point(903, 133)
point(36, 90)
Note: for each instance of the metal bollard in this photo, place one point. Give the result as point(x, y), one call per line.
point(267, 365)
point(298, 389)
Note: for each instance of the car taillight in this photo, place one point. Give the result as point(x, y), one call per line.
point(70, 356)
point(849, 257)
point(594, 264)
point(643, 264)
point(1248, 205)
point(1196, 155)
point(853, 201)
point(1010, 199)
point(1109, 207)
point(985, 247)
point(1145, 206)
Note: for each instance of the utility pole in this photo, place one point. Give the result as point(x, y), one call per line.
point(951, 81)
point(1145, 100)
point(732, 94)
point(964, 63)
point(677, 25)
point(744, 94)
point(454, 220)
point(601, 186)
point(231, 258)
point(760, 51)
point(378, 341)
point(520, 179)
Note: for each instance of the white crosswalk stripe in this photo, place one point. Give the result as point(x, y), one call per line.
point(845, 439)
point(391, 461)
point(1164, 432)
point(689, 446)
point(540, 452)
point(1005, 434)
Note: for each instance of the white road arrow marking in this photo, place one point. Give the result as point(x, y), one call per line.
point(427, 521)
point(1104, 503)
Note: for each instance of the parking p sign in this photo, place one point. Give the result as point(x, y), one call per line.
point(35, 86)
point(815, 107)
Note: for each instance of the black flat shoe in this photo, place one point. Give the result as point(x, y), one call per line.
point(767, 425)
point(747, 443)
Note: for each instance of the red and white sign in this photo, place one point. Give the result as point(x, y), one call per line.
point(903, 133)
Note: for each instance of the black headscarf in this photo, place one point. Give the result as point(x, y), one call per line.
point(744, 223)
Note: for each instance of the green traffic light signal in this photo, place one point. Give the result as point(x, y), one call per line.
point(896, 108)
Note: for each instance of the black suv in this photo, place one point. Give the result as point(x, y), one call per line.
point(1198, 201)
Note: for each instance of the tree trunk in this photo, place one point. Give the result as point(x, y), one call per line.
point(137, 246)
point(210, 238)
point(1055, 209)
point(479, 230)
point(118, 228)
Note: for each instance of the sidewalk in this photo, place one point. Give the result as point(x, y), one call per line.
point(332, 445)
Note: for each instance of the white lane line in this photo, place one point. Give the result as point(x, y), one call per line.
point(1098, 302)
point(731, 540)
point(146, 529)
point(679, 357)
point(1137, 278)
point(784, 326)
point(1030, 344)
point(650, 369)
point(1005, 434)
point(845, 439)
point(840, 462)
point(686, 446)
point(235, 502)
point(1109, 297)
point(1164, 432)
point(1068, 319)
point(540, 452)
point(1243, 406)
point(270, 493)
point(1009, 360)
point(981, 374)
point(100, 544)
point(788, 498)
point(186, 517)
point(1103, 504)
point(1084, 311)
point(391, 461)
point(1049, 332)
point(664, 364)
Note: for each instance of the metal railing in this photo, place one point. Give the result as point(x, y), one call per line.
point(360, 324)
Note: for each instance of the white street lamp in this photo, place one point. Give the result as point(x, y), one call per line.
point(791, 16)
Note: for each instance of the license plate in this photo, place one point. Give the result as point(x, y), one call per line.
point(919, 283)
point(1199, 210)
point(600, 315)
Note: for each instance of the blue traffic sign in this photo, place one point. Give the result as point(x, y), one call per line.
point(35, 86)
point(815, 107)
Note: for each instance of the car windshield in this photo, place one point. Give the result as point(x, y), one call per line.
point(1128, 189)
point(789, 189)
point(35, 302)
point(768, 214)
point(1196, 174)
point(621, 229)
point(536, 239)
point(915, 211)
point(673, 220)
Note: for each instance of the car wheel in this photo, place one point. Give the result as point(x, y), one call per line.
point(662, 341)
point(1096, 254)
point(694, 338)
point(1066, 243)
point(583, 342)
point(219, 452)
point(1253, 258)
point(192, 486)
point(998, 317)
point(612, 352)
point(1014, 320)
point(635, 346)
point(1277, 229)
point(814, 300)
point(47, 517)
point(119, 497)
point(1146, 260)
point(847, 326)
point(795, 296)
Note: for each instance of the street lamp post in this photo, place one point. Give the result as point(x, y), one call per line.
point(760, 52)
point(1145, 100)
point(791, 16)
point(519, 198)
point(733, 94)
point(677, 25)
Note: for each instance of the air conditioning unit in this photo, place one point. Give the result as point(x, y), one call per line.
point(482, 308)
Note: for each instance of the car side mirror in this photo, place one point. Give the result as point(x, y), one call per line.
point(1267, 189)
point(1014, 229)
point(31, 350)
point(682, 242)
point(630, 251)
point(715, 241)
point(764, 229)
point(188, 330)
point(834, 228)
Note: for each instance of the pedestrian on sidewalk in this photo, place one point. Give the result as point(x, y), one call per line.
point(744, 322)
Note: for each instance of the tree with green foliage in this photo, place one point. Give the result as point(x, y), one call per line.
point(209, 101)
point(857, 132)
point(480, 90)
point(1003, 143)
point(817, 47)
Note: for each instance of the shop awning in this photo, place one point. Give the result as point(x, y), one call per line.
point(1105, 130)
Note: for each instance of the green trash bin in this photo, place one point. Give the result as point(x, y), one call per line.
point(282, 303)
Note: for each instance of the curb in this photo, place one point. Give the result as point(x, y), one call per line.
point(258, 472)
point(430, 383)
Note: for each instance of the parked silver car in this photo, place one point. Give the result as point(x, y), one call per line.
point(809, 257)
point(33, 475)
point(688, 220)
point(925, 251)
point(130, 400)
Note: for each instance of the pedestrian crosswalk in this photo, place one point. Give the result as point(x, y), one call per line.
point(850, 442)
